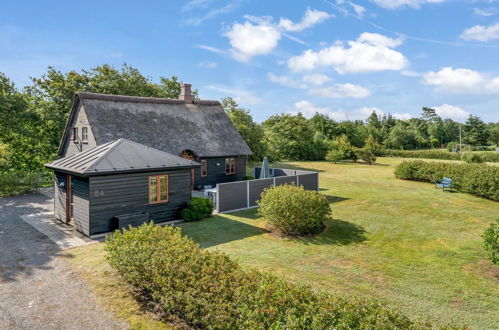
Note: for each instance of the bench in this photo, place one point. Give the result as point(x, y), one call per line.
point(446, 183)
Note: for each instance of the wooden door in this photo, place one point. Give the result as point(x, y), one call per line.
point(69, 199)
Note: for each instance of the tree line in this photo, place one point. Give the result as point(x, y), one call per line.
point(32, 121)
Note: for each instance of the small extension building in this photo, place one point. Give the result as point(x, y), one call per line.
point(198, 130)
point(119, 183)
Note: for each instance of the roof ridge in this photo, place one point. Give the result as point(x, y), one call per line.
point(113, 145)
point(140, 99)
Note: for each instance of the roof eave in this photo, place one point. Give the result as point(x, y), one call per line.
point(121, 171)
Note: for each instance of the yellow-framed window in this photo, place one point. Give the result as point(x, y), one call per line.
point(159, 188)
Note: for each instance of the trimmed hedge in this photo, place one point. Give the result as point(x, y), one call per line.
point(439, 154)
point(206, 289)
point(293, 211)
point(480, 180)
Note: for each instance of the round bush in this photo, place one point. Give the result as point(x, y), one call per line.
point(470, 157)
point(334, 156)
point(368, 156)
point(294, 211)
point(198, 208)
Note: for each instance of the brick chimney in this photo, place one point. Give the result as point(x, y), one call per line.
point(185, 93)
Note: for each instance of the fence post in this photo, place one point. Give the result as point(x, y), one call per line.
point(274, 182)
point(247, 194)
point(297, 180)
point(218, 198)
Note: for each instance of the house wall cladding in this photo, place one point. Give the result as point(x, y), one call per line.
point(80, 190)
point(216, 173)
point(244, 194)
point(130, 192)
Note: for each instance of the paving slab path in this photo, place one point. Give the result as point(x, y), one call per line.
point(38, 289)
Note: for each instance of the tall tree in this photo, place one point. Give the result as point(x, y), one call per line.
point(493, 129)
point(24, 144)
point(428, 114)
point(290, 137)
point(324, 125)
point(475, 131)
point(250, 131)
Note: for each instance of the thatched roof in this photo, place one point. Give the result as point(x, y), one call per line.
point(165, 124)
point(119, 156)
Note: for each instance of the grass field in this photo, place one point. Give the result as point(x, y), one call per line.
point(405, 243)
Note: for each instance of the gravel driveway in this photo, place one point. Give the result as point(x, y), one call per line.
point(38, 290)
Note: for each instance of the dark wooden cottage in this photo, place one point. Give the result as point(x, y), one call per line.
point(198, 130)
point(118, 183)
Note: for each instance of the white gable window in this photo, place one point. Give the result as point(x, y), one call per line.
point(84, 134)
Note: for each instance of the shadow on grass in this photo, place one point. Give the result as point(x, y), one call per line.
point(338, 232)
point(221, 229)
point(335, 199)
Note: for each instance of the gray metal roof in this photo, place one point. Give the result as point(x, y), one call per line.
point(169, 125)
point(119, 156)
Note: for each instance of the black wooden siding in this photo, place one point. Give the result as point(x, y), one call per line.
point(111, 195)
point(216, 174)
point(80, 201)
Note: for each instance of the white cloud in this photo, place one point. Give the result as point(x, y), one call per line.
point(359, 10)
point(367, 111)
point(462, 81)
point(485, 11)
point(242, 96)
point(285, 81)
point(410, 73)
point(393, 4)
point(340, 91)
point(481, 33)
point(249, 40)
point(402, 116)
point(310, 18)
point(371, 52)
point(207, 64)
point(260, 35)
point(451, 111)
point(317, 79)
point(308, 109)
point(207, 13)
point(212, 49)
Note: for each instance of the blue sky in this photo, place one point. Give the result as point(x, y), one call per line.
point(337, 57)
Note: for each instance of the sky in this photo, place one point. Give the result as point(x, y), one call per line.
point(337, 57)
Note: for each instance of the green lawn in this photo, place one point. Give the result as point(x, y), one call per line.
point(403, 242)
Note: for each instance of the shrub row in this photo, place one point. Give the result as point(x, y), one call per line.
point(14, 183)
point(480, 180)
point(438, 154)
point(206, 289)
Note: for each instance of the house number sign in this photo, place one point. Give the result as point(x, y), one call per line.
point(99, 193)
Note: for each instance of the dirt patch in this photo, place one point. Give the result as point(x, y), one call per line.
point(484, 268)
